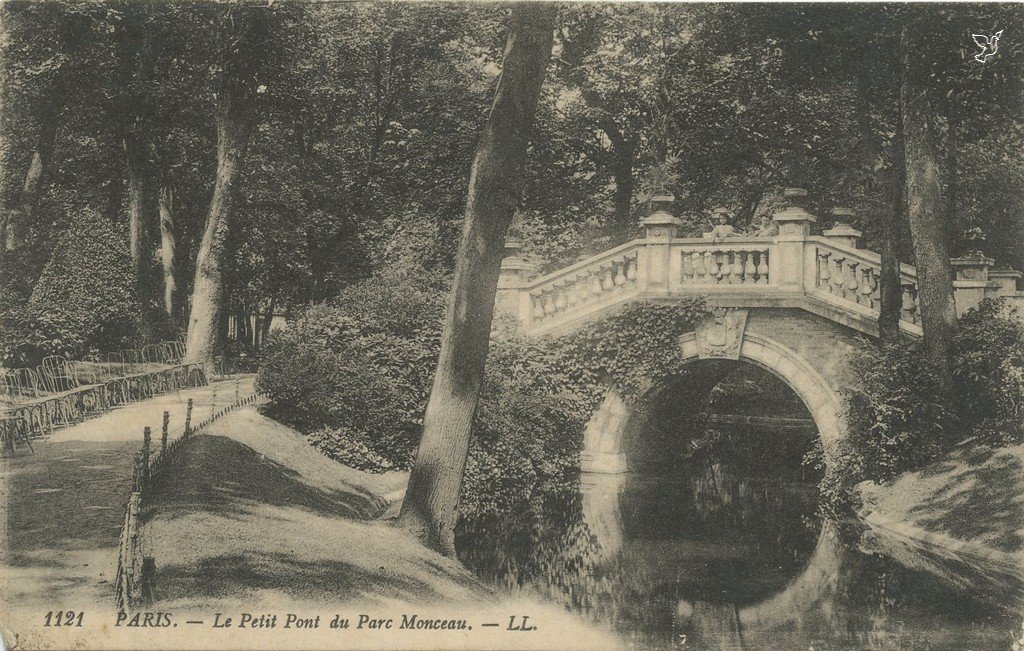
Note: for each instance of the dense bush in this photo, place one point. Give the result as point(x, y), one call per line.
point(898, 415)
point(356, 371)
point(84, 301)
point(988, 372)
point(899, 418)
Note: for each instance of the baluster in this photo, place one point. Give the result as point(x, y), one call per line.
point(687, 268)
point(701, 268)
point(620, 276)
point(850, 289)
point(631, 269)
point(839, 277)
point(538, 309)
point(716, 270)
point(595, 282)
point(736, 269)
point(908, 303)
point(762, 267)
point(572, 293)
point(824, 271)
point(607, 282)
point(749, 268)
point(549, 303)
point(866, 287)
point(560, 301)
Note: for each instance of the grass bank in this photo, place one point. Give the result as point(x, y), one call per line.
point(961, 517)
point(249, 518)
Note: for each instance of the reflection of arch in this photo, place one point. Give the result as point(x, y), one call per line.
point(603, 438)
point(813, 590)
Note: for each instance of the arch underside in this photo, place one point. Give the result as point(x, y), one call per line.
point(608, 429)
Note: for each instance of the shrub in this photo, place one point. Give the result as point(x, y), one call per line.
point(28, 337)
point(898, 416)
point(988, 372)
point(356, 372)
point(899, 419)
point(84, 301)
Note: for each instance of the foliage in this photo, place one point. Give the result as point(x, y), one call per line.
point(988, 372)
point(85, 299)
point(360, 366)
point(26, 337)
point(899, 418)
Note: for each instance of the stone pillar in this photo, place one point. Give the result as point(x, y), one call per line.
point(511, 300)
point(842, 233)
point(660, 227)
point(1002, 282)
point(970, 280)
point(787, 261)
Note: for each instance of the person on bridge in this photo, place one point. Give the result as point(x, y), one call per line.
point(721, 229)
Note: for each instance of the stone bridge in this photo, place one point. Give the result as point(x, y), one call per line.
point(795, 304)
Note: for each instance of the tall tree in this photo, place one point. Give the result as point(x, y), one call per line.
point(241, 58)
point(925, 211)
point(495, 187)
point(168, 251)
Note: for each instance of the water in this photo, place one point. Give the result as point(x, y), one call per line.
point(715, 556)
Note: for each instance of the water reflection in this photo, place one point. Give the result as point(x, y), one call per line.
point(712, 558)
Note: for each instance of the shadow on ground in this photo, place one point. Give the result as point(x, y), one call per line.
point(224, 522)
point(220, 476)
point(979, 502)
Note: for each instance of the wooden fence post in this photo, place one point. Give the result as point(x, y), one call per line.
point(163, 434)
point(213, 402)
point(137, 473)
point(237, 380)
point(134, 582)
point(188, 418)
point(146, 441)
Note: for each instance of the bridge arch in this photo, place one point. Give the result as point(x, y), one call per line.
point(613, 421)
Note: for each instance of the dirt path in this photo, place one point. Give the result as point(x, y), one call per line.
point(64, 503)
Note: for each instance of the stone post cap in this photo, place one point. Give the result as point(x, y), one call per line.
point(842, 214)
point(1004, 272)
point(661, 224)
point(661, 218)
point(842, 230)
point(972, 259)
point(794, 214)
point(512, 245)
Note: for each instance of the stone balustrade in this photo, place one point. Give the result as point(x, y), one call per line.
point(825, 274)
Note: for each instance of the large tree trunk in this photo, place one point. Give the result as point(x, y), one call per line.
point(234, 124)
point(19, 218)
point(925, 211)
point(889, 209)
point(890, 287)
point(138, 192)
point(236, 116)
point(495, 186)
point(168, 253)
